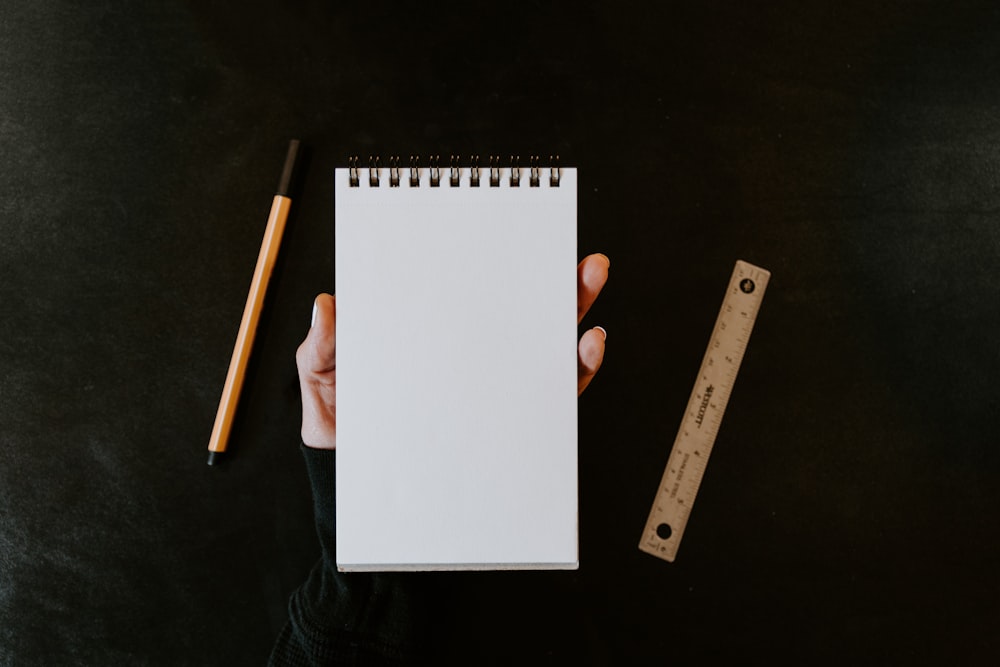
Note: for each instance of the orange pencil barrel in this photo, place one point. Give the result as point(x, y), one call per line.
point(248, 326)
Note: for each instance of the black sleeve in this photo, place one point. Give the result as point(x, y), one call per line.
point(338, 618)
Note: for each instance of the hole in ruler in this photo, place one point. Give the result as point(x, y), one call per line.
point(663, 531)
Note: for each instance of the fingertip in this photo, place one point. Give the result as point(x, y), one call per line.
point(592, 349)
point(595, 272)
point(600, 262)
point(591, 356)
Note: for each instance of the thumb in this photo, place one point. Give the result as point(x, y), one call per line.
point(318, 352)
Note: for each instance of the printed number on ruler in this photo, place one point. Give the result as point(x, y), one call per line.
point(700, 425)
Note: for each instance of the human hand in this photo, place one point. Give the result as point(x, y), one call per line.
point(316, 357)
point(316, 360)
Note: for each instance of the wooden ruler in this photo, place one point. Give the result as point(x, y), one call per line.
point(700, 426)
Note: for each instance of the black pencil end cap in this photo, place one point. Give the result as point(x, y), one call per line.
point(214, 458)
point(287, 182)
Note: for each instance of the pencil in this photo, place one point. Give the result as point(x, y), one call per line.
point(251, 312)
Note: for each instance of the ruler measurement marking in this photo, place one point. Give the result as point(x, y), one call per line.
point(702, 420)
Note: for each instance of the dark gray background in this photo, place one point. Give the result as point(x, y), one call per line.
point(850, 508)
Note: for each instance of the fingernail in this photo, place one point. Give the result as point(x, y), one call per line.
point(606, 259)
point(313, 323)
point(603, 332)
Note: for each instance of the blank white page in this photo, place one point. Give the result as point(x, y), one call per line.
point(456, 374)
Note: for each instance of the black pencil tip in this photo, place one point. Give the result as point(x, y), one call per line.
point(214, 458)
point(286, 183)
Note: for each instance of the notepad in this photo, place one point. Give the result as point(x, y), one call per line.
point(456, 371)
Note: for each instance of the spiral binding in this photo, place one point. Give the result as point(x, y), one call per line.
point(455, 171)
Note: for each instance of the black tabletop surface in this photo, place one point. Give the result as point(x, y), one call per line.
point(850, 509)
